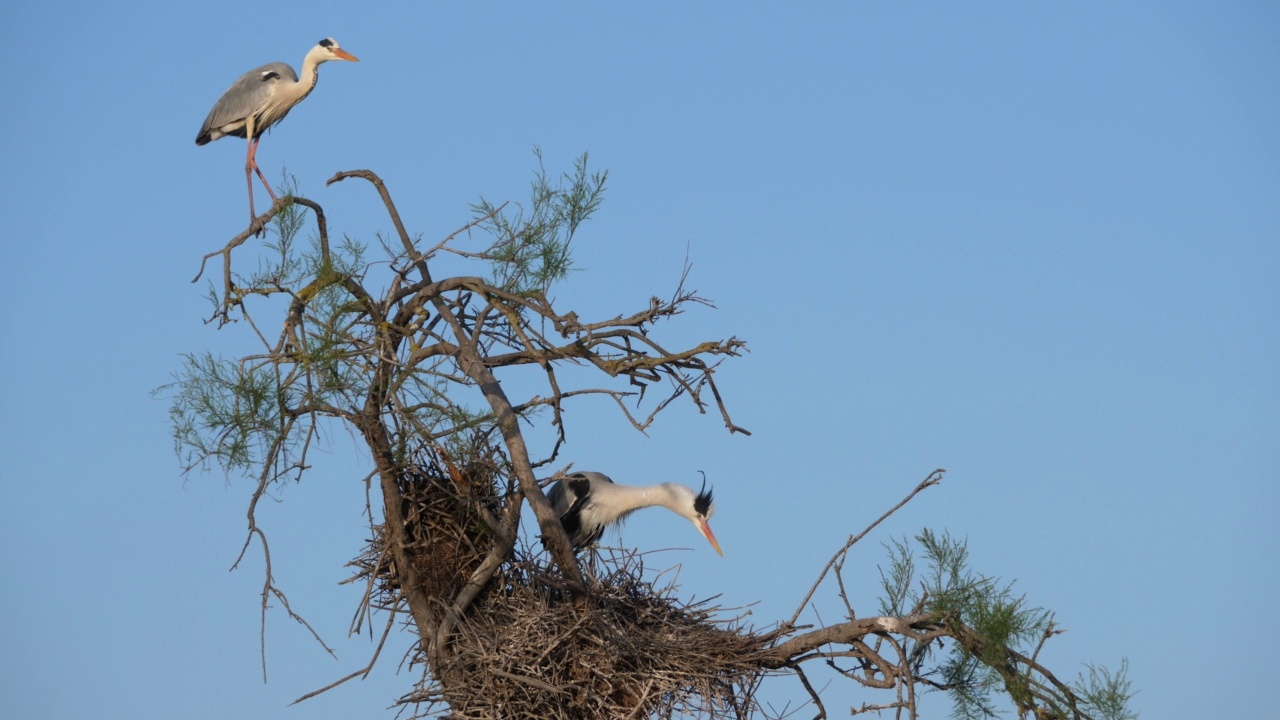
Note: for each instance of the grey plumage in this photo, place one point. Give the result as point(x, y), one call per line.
point(250, 95)
point(569, 499)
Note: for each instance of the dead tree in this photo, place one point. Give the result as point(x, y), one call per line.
point(386, 348)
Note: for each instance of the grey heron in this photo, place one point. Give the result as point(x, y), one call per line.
point(260, 99)
point(589, 502)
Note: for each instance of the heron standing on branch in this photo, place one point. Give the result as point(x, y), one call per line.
point(261, 98)
point(589, 502)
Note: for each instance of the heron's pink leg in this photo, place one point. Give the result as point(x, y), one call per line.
point(248, 178)
point(253, 150)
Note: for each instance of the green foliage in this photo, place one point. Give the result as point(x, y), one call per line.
point(897, 584)
point(531, 245)
point(223, 411)
point(282, 264)
point(1107, 694)
point(998, 633)
point(260, 414)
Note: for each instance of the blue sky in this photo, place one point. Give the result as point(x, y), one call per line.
point(1033, 245)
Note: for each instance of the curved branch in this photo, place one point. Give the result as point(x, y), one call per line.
point(373, 178)
point(920, 625)
point(256, 227)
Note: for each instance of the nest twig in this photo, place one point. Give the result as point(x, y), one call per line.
point(625, 649)
point(445, 510)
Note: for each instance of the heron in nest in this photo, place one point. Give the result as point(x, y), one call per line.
point(588, 503)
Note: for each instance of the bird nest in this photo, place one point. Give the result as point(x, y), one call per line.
point(624, 649)
point(530, 646)
point(442, 538)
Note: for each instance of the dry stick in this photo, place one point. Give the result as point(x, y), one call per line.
point(257, 224)
point(389, 339)
point(868, 658)
point(233, 243)
point(1049, 632)
point(508, 424)
point(269, 588)
point(361, 673)
point(813, 693)
point(644, 695)
point(846, 632)
point(372, 177)
point(877, 709)
point(506, 537)
point(533, 682)
point(904, 662)
point(469, 360)
point(468, 356)
point(416, 257)
point(934, 478)
point(376, 435)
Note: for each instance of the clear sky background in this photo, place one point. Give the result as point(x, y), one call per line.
point(1034, 245)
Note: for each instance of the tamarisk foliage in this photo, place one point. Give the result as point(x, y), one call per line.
point(369, 338)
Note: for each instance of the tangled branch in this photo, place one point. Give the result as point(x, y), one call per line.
point(412, 365)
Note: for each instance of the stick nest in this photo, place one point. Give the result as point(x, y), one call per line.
point(623, 650)
point(529, 647)
point(443, 537)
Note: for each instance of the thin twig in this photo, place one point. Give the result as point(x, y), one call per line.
point(934, 478)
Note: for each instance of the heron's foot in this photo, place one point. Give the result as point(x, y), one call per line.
point(257, 227)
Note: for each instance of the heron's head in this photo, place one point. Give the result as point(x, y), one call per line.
point(698, 507)
point(328, 49)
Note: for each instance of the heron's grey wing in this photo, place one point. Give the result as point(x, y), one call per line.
point(592, 476)
point(574, 495)
point(246, 97)
point(559, 502)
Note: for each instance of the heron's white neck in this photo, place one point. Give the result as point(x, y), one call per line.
point(625, 499)
point(309, 75)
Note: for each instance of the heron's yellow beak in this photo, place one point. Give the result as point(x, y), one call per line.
point(345, 55)
point(705, 529)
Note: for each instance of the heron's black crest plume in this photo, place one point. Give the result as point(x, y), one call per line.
point(327, 42)
point(702, 503)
